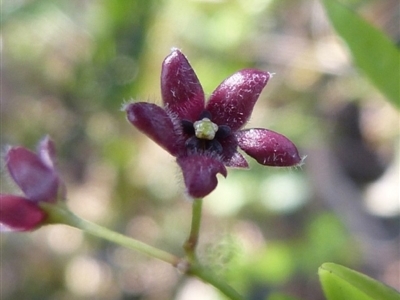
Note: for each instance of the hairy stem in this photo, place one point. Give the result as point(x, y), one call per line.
point(61, 214)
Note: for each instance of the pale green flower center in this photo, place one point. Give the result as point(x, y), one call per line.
point(205, 129)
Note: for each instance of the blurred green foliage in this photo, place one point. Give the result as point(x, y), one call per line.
point(372, 50)
point(69, 66)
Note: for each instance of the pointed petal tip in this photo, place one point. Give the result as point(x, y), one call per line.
point(181, 90)
point(135, 111)
point(125, 106)
point(129, 108)
point(154, 121)
point(176, 55)
point(255, 78)
point(237, 161)
point(233, 100)
point(47, 151)
point(269, 148)
point(301, 162)
point(175, 49)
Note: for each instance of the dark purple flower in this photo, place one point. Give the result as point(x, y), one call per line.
point(39, 181)
point(205, 137)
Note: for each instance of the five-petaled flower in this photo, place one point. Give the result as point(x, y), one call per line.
point(204, 137)
point(36, 176)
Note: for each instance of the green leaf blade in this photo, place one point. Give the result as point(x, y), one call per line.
point(373, 52)
point(339, 282)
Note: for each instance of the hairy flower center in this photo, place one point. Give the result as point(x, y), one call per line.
point(205, 129)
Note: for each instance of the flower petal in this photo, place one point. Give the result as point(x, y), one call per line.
point(233, 100)
point(200, 174)
point(36, 179)
point(19, 214)
point(180, 88)
point(268, 147)
point(237, 161)
point(153, 121)
point(231, 157)
point(47, 153)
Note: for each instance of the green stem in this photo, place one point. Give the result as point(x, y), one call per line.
point(191, 242)
point(200, 272)
point(61, 214)
point(194, 268)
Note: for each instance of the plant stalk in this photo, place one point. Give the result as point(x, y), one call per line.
point(192, 241)
point(59, 213)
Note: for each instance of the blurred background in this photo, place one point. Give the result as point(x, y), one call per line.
point(69, 66)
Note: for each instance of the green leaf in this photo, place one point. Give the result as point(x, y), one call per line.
point(339, 283)
point(373, 52)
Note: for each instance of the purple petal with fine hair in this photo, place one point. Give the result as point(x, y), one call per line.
point(233, 100)
point(200, 174)
point(236, 161)
point(268, 147)
point(36, 179)
point(231, 157)
point(180, 88)
point(156, 124)
point(19, 214)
